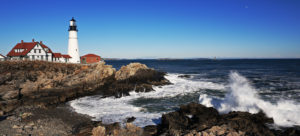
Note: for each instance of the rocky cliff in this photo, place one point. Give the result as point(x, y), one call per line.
point(44, 83)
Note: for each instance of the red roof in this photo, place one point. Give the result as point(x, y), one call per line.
point(27, 46)
point(90, 55)
point(57, 55)
point(66, 56)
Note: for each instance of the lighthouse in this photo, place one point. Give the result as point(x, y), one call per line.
point(73, 49)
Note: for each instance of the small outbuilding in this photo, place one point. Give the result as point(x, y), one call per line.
point(2, 58)
point(58, 57)
point(90, 58)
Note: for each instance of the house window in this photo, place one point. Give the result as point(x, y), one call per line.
point(34, 50)
point(33, 57)
point(42, 57)
point(39, 50)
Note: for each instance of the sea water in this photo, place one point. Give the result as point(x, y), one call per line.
point(269, 85)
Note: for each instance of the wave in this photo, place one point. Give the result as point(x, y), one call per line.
point(110, 109)
point(242, 96)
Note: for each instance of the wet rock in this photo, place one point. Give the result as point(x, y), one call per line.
point(184, 76)
point(251, 124)
point(131, 119)
point(207, 121)
point(179, 122)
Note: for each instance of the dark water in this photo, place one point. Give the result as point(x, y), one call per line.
point(273, 78)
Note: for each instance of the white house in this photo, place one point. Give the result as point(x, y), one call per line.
point(2, 58)
point(34, 51)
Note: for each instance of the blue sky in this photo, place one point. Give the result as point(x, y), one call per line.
point(158, 28)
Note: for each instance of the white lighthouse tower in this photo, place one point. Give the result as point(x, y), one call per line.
point(73, 49)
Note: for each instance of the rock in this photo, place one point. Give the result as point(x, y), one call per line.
point(251, 124)
point(130, 70)
point(26, 114)
point(232, 134)
point(16, 126)
point(174, 121)
point(179, 121)
point(1, 113)
point(207, 121)
point(151, 130)
point(10, 95)
point(204, 133)
point(184, 76)
point(132, 128)
point(98, 131)
point(131, 119)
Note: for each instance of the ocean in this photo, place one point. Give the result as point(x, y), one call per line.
point(253, 85)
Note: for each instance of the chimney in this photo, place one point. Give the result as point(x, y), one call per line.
point(41, 42)
point(22, 41)
point(32, 40)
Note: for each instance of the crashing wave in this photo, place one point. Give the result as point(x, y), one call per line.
point(242, 96)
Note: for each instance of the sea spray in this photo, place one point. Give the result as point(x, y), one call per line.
point(242, 96)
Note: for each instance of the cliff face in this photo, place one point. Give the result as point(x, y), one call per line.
point(44, 83)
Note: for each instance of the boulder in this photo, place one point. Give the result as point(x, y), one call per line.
point(131, 69)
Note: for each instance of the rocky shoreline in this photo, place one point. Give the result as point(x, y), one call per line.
point(42, 84)
point(33, 96)
point(197, 120)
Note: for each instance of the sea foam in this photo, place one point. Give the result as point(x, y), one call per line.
point(241, 96)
